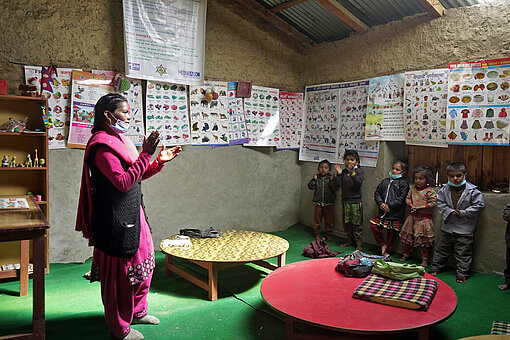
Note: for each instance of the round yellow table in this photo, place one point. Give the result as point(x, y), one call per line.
point(232, 248)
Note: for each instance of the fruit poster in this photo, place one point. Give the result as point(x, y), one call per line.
point(320, 123)
point(351, 124)
point(208, 110)
point(238, 132)
point(86, 90)
point(166, 107)
point(262, 112)
point(291, 115)
point(425, 105)
point(479, 102)
point(385, 119)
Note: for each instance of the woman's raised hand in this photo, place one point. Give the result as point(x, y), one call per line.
point(151, 143)
point(166, 155)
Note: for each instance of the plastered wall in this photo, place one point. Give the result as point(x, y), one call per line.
point(416, 43)
point(230, 187)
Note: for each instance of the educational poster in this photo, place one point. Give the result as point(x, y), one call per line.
point(425, 105)
point(86, 90)
point(291, 116)
point(262, 116)
point(479, 102)
point(351, 126)
point(385, 119)
point(134, 96)
point(208, 110)
point(166, 107)
point(320, 123)
point(238, 132)
point(165, 40)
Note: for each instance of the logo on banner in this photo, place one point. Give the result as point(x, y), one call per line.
point(161, 70)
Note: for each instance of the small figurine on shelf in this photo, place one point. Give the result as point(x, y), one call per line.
point(42, 162)
point(12, 163)
point(28, 163)
point(5, 161)
point(36, 159)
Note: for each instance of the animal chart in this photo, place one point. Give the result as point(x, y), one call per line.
point(208, 109)
point(86, 90)
point(262, 116)
point(425, 105)
point(385, 119)
point(320, 123)
point(351, 125)
point(291, 115)
point(479, 102)
point(167, 112)
point(238, 133)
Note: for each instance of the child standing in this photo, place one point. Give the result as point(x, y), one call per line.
point(417, 230)
point(351, 179)
point(325, 186)
point(390, 197)
point(459, 202)
point(506, 217)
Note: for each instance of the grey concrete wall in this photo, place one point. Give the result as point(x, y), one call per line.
point(230, 187)
point(416, 43)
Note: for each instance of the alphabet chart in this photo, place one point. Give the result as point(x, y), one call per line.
point(291, 115)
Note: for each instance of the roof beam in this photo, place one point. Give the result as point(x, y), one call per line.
point(434, 7)
point(343, 14)
point(285, 5)
point(276, 21)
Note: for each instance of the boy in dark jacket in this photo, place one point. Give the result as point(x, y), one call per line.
point(325, 186)
point(506, 217)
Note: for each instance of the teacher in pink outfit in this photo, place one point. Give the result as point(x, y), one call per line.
point(111, 214)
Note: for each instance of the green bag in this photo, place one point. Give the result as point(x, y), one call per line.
point(397, 271)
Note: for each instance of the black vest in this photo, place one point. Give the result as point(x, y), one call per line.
point(116, 216)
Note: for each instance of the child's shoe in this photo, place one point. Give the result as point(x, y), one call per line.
point(424, 263)
point(433, 272)
point(461, 279)
point(403, 258)
point(504, 286)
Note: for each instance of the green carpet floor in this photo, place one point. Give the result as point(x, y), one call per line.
point(74, 309)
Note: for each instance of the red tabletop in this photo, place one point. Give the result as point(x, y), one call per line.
point(314, 292)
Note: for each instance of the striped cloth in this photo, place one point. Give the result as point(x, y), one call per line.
point(413, 294)
point(500, 327)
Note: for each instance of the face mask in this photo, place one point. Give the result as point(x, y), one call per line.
point(392, 176)
point(457, 185)
point(120, 126)
point(355, 167)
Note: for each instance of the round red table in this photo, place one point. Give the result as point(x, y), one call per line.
point(314, 293)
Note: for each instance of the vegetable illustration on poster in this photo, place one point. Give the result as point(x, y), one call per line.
point(320, 123)
point(238, 132)
point(208, 109)
point(291, 115)
point(479, 102)
point(262, 116)
point(166, 107)
point(351, 131)
point(425, 106)
point(384, 120)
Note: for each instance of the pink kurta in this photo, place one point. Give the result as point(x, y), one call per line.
point(125, 282)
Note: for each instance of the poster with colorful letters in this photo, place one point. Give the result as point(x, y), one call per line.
point(262, 112)
point(385, 119)
point(238, 132)
point(291, 116)
point(351, 124)
point(425, 105)
point(320, 123)
point(86, 90)
point(208, 110)
point(479, 102)
point(166, 107)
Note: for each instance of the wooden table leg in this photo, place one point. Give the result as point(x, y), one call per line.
point(289, 328)
point(168, 261)
point(212, 281)
point(23, 271)
point(281, 259)
point(38, 286)
point(423, 333)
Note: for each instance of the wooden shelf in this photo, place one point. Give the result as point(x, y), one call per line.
point(24, 168)
point(24, 134)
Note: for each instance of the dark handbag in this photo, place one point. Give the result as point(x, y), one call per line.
point(319, 249)
point(358, 264)
point(197, 233)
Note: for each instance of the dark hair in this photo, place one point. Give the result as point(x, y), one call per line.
point(427, 173)
point(403, 163)
point(456, 166)
point(324, 161)
point(352, 153)
point(109, 102)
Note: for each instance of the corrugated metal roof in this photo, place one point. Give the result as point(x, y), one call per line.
point(320, 25)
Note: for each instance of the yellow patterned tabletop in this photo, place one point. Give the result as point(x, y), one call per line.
point(231, 246)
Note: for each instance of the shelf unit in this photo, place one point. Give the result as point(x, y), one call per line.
point(20, 180)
